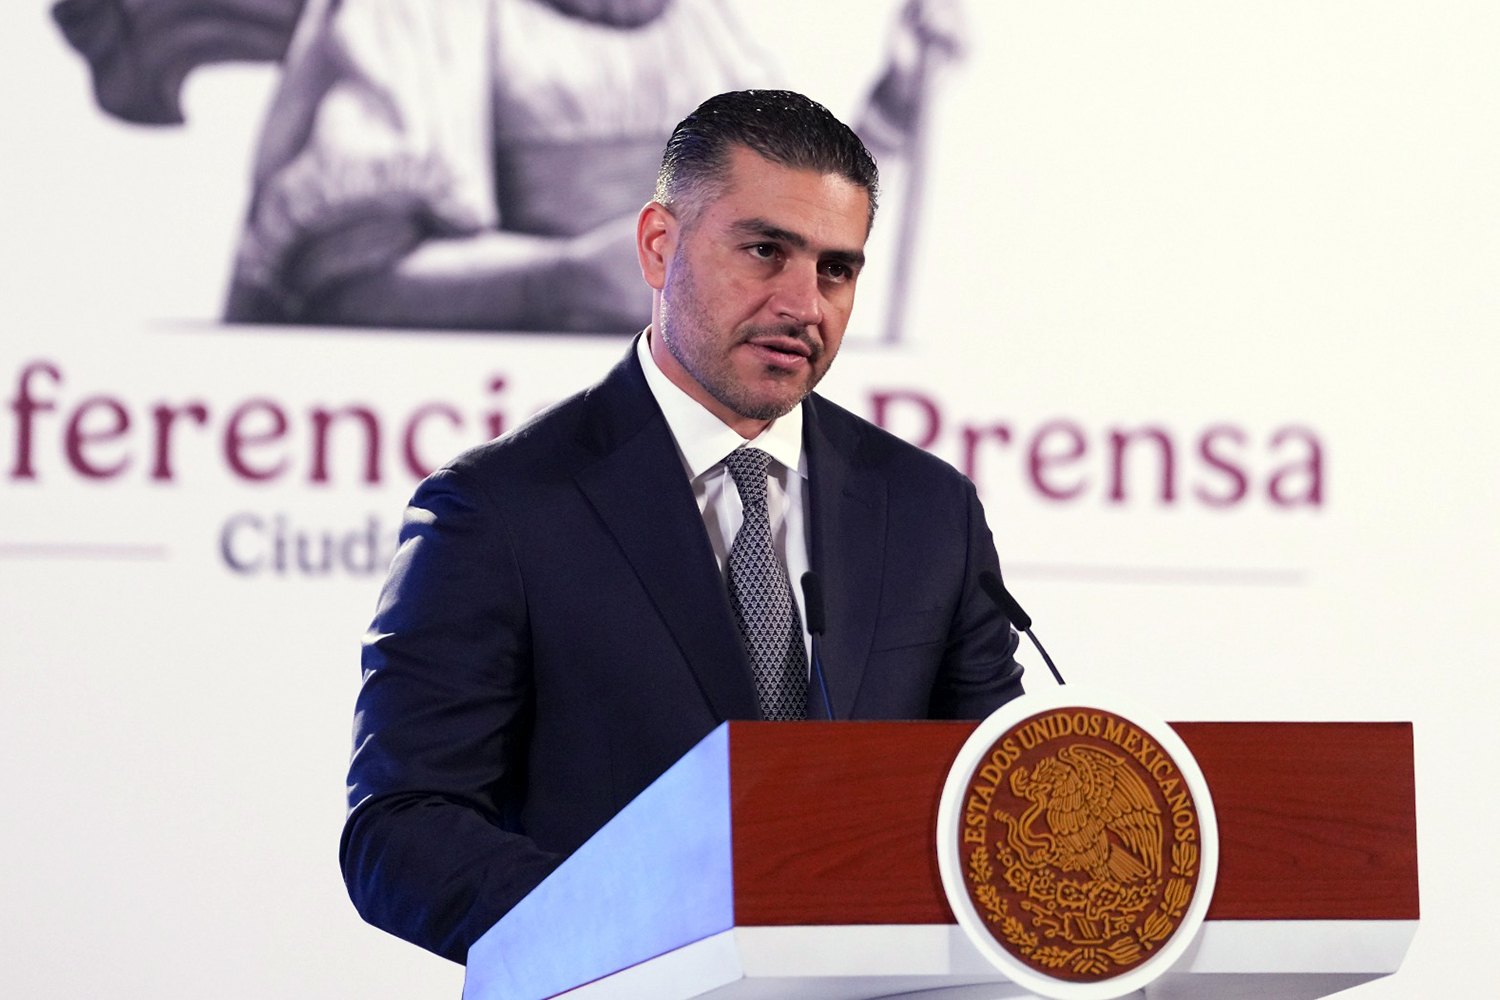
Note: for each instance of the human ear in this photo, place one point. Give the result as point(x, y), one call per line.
point(655, 239)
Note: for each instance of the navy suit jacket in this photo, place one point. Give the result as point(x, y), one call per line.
point(555, 633)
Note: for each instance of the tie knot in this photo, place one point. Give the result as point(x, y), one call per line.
point(748, 467)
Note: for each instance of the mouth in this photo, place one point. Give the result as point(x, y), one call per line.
point(782, 350)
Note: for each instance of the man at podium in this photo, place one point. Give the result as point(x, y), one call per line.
point(575, 605)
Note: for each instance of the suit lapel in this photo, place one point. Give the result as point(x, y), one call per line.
point(641, 493)
point(847, 526)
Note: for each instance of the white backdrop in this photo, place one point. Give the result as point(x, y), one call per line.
point(1179, 216)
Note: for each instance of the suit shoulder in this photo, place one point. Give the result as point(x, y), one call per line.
point(538, 441)
point(568, 435)
point(871, 446)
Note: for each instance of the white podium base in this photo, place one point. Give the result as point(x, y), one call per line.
point(1290, 960)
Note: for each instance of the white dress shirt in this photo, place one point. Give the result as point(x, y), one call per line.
point(703, 440)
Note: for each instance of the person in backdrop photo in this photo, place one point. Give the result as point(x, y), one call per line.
point(478, 164)
point(576, 604)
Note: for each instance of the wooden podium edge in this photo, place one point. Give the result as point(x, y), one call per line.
point(1317, 821)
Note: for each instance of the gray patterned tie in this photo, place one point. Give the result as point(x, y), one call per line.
point(762, 598)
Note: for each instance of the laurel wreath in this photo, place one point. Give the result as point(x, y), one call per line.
point(1158, 925)
point(981, 872)
point(1085, 960)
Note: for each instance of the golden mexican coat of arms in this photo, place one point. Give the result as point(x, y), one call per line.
point(1080, 843)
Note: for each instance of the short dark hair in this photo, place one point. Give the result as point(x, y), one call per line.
point(783, 127)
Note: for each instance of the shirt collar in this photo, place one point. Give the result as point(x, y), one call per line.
point(702, 438)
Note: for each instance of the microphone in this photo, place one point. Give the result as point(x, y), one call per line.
point(812, 601)
point(991, 584)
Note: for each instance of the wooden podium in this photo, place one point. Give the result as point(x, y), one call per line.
point(797, 860)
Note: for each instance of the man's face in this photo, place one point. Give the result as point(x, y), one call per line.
point(758, 287)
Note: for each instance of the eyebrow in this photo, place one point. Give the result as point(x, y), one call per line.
point(762, 229)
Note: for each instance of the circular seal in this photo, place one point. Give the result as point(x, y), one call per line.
point(1077, 844)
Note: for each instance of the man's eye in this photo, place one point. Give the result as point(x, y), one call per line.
point(838, 271)
point(765, 251)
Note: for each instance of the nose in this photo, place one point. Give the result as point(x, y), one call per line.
point(798, 296)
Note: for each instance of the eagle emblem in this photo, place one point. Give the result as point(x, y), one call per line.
point(1098, 814)
point(1079, 844)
